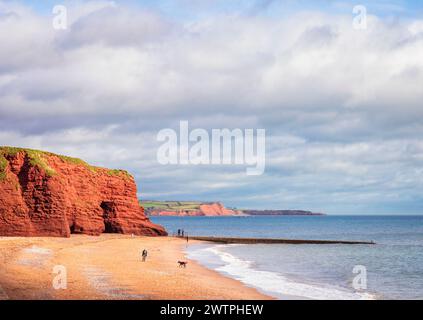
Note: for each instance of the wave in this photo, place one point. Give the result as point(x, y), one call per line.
point(276, 284)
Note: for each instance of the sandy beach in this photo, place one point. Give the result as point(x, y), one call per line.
point(109, 267)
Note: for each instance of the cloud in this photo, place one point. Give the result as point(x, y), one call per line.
point(341, 107)
point(115, 26)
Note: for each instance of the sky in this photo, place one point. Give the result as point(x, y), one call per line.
point(342, 107)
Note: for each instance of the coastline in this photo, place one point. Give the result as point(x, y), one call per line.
point(109, 268)
point(229, 261)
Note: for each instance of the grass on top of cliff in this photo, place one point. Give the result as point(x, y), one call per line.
point(3, 165)
point(38, 158)
point(171, 205)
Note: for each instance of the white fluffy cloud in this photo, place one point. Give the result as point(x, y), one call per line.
point(342, 107)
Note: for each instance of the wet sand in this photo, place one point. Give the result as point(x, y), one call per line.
point(109, 267)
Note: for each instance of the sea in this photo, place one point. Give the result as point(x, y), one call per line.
point(391, 269)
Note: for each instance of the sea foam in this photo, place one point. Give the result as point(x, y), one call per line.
point(276, 284)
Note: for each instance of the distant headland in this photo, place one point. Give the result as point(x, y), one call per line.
point(210, 209)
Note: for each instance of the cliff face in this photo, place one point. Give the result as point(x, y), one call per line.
point(217, 209)
point(203, 210)
point(42, 194)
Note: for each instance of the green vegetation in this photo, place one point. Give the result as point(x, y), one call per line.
point(3, 165)
point(38, 158)
point(171, 205)
point(76, 161)
point(121, 173)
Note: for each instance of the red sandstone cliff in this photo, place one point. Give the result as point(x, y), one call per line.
point(204, 210)
point(42, 194)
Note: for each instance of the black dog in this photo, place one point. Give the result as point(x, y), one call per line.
point(182, 264)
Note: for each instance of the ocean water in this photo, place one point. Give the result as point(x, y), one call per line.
point(391, 269)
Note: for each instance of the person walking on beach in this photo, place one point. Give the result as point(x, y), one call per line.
point(179, 232)
point(182, 233)
point(144, 255)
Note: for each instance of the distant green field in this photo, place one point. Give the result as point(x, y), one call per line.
point(151, 206)
point(171, 205)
